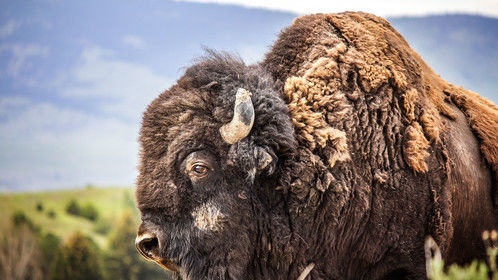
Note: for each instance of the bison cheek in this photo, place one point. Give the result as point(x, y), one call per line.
point(208, 217)
point(225, 230)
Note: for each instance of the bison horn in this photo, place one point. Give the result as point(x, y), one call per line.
point(243, 118)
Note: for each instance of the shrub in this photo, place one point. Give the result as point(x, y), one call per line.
point(90, 212)
point(39, 206)
point(19, 219)
point(49, 244)
point(102, 226)
point(122, 260)
point(73, 207)
point(78, 259)
point(51, 214)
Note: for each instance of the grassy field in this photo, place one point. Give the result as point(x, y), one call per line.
point(110, 203)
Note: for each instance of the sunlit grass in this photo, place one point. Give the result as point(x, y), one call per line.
point(110, 202)
point(477, 270)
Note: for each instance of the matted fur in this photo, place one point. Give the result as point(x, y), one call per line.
point(333, 44)
point(357, 153)
point(359, 60)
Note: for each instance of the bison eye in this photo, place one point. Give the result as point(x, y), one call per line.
point(199, 169)
point(199, 165)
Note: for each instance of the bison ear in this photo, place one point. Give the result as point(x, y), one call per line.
point(266, 160)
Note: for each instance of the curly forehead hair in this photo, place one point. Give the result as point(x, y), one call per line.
point(188, 117)
point(204, 98)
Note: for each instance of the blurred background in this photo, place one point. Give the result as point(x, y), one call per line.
point(75, 77)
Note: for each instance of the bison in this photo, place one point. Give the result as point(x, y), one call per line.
point(334, 158)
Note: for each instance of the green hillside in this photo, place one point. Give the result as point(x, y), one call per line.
point(113, 231)
point(95, 242)
point(110, 203)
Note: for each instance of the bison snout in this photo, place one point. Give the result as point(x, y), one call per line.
point(147, 245)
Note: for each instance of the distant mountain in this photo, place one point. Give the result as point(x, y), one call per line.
point(463, 49)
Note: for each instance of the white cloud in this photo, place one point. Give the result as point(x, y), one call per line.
point(20, 54)
point(44, 145)
point(381, 7)
point(8, 103)
point(100, 74)
point(134, 42)
point(9, 27)
point(252, 53)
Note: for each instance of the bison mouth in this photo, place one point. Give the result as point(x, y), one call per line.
point(167, 264)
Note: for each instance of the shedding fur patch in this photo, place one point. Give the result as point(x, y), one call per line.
point(336, 45)
point(415, 150)
point(430, 120)
point(208, 217)
point(314, 96)
point(409, 103)
point(381, 177)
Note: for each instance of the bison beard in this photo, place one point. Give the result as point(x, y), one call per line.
point(358, 152)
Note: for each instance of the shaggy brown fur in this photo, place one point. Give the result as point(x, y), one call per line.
point(379, 56)
point(366, 151)
point(483, 118)
point(355, 75)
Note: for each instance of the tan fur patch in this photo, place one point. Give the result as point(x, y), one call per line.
point(409, 101)
point(371, 53)
point(381, 176)
point(314, 95)
point(380, 57)
point(415, 148)
point(430, 122)
point(208, 217)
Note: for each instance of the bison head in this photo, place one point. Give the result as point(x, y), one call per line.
point(212, 148)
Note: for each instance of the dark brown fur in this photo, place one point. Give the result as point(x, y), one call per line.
point(372, 152)
point(396, 83)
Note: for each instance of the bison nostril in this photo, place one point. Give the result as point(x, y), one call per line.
point(147, 245)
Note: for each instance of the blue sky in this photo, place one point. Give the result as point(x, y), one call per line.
point(385, 8)
point(75, 77)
